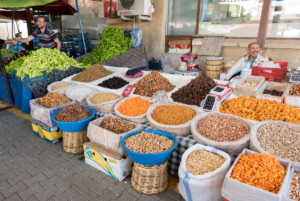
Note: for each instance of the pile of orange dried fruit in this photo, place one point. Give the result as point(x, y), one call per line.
point(261, 110)
point(260, 170)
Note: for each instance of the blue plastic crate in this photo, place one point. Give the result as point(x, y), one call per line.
point(28, 80)
point(22, 94)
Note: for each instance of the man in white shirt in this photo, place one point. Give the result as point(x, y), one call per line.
point(244, 65)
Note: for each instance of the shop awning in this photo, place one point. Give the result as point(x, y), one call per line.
point(53, 7)
point(60, 7)
point(18, 15)
point(20, 4)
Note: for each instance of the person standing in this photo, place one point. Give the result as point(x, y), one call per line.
point(47, 37)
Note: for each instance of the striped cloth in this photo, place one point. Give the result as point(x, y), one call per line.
point(46, 39)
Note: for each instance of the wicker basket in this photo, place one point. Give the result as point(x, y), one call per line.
point(149, 179)
point(214, 68)
point(213, 74)
point(73, 141)
point(214, 63)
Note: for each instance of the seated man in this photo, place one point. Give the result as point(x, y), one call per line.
point(244, 66)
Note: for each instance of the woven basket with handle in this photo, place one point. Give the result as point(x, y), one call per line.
point(73, 141)
point(149, 179)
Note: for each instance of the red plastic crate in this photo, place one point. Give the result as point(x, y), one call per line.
point(271, 74)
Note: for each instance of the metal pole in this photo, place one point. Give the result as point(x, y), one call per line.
point(82, 34)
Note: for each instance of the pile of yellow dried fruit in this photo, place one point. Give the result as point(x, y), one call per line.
point(260, 170)
point(261, 110)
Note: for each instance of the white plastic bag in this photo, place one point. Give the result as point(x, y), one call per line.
point(255, 145)
point(79, 93)
point(205, 187)
point(182, 129)
point(138, 119)
point(61, 90)
point(234, 190)
point(107, 138)
point(230, 147)
point(106, 107)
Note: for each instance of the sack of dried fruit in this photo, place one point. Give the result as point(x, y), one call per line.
point(174, 118)
point(201, 173)
point(256, 176)
point(103, 101)
point(226, 132)
point(60, 87)
point(133, 108)
point(110, 130)
point(279, 139)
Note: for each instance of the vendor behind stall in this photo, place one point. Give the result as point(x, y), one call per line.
point(244, 66)
point(47, 37)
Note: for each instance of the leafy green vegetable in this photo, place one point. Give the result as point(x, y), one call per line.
point(6, 53)
point(112, 43)
point(43, 59)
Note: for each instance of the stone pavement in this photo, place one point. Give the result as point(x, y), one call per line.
point(31, 169)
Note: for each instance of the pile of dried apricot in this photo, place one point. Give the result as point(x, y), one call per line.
point(261, 110)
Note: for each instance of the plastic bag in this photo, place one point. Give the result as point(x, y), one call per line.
point(255, 145)
point(136, 35)
point(205, 187)
point(137, 119)
point(230, 147)
point(79, 93)
point(61, 90)
point(107, 138)
point(234, 190)
point(182, 129)
point(106, 107)
point(166, 66)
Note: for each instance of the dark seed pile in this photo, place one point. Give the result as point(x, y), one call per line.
point(113, 83)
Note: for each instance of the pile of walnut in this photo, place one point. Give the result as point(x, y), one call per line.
point(295, 90)
point(53, 99)
point(116, 125)
point(148, 143)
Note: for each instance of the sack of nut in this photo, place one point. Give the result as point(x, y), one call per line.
point(201, 173)
point(277, 138)
point(108, 138)
point(224, 131)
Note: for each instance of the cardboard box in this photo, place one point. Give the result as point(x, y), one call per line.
point(235, 190)
point(284, 87)
point(242, 90)
point(50, 135)
point(292, 100)
point(110, 162)
point(180, 46)
point(188, 73)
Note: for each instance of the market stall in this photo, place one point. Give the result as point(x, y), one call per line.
point(224, 140)
point(188, 108)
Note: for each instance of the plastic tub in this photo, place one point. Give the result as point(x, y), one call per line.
point(150, 159)
point(73, 126)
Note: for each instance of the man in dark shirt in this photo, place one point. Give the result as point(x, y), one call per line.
point(48, 39)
